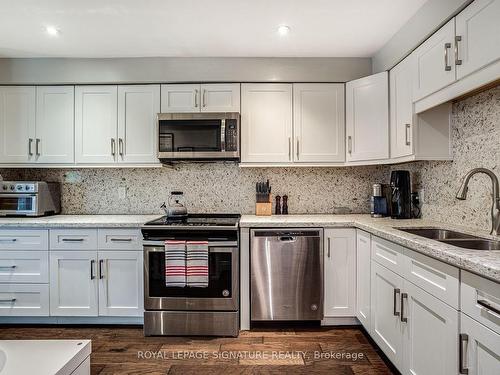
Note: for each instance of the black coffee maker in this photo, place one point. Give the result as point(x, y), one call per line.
point(400, 195)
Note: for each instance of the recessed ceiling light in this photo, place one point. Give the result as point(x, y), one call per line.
point(283, 30)
point(52, 30)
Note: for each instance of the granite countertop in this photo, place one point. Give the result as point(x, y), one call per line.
point(77, 221)
point(484, 263)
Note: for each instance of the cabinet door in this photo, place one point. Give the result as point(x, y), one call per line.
point(96, 124)
point(138, 106)
point(401, 108)
point(54, 134)
point(340, 272)
point(477, 36)
point(220, 97)
point(480, 348)
point(434, 62)
point(367, 118)
point(266, 123)
point(180, 98)
point(318, 118)
point(385, 312)
point(431, 334)
point(17, 124)
point(73, 283)
point(120, 283)
point(363, 262)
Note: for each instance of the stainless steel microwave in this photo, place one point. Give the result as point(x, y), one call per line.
point(198, 136)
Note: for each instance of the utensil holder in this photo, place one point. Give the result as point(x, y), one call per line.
point(263, 208)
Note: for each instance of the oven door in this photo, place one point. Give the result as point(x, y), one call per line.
point(220, 295)
point(198, 136)
point(18, 204)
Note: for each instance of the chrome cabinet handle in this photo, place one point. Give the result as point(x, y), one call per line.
point(488, 306)
point(72, 240)
point(407, 135)
point(463, 338)
point(8, 240)
point(458, 38)
point(8, 267)
point(403, 297)
point(204, 98)
point(30, 142)
point(289, 148)
point(328, 240)
point(113, 146)
point(447, 67)
point(92, 276)
point(37, 147)
point(121, 239)
point(120, 146)
point(349, 144)
point(101, 265)
point(195, 98)
point(8, 300)
point(297, 148)
point(395, 312)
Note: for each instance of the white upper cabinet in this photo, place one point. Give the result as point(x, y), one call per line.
point(138, 106)
point(477, 36)
point(17, 124)
point(54, 135)
point(318, 122)
point(96, 124)
point(220, 97)
point(266, 123)
point(340, 273)
point(180, 98)
point(401, 108)
point(367, 118)
point(434, 62)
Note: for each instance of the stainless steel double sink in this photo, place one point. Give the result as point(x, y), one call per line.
point(450, 237)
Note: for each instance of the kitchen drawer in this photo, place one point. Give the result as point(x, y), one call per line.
point(73, 239)
point(24, 300)
point(480, 299)
point(120, 239)
point(24, 267)
point(17, 239)
point(435, 277)
point(388, 254)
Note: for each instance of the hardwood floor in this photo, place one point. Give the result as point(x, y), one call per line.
point(124, 350)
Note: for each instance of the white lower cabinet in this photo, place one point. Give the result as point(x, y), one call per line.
point(73, 283)
point(430, 333)
point(363, 266)
point(340, 273)
point(386, 325)
point(479, 348)
point(120, 283)
point(24, 300)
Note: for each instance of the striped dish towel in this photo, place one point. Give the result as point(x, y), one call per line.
point(175, 263)
point(197, 264)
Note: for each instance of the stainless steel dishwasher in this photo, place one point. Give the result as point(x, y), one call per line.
point(286, 274)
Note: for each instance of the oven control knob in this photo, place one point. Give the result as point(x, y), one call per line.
point(11, 187)
point(19, 187)
point(225, 293)
point(314, 307)
point(4, 187)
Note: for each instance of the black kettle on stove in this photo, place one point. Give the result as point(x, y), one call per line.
point(400, 195)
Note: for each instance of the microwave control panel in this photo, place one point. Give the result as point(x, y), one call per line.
point(232, 137)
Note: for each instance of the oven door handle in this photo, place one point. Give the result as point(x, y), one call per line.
point(217, 244)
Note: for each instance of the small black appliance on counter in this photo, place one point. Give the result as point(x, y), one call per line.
point(400, 195)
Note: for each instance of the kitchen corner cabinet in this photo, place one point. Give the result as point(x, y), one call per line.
point(266, 123)
point(218, 97)
point(17, 124)
point(340, 272)
point(363, 271)
point(318, 123)
point(367, 118)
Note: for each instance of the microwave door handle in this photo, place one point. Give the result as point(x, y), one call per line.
point(223, 135)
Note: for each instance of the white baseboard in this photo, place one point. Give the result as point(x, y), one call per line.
point(340, 321)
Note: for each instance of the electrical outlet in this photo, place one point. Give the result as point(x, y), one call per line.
point(122, 192)
point(421, 196)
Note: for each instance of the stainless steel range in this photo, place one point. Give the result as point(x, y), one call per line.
point(208, 311)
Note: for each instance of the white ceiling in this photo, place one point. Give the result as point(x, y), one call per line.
point(132, 28)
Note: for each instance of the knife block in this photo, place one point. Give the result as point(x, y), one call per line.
point(263, 208)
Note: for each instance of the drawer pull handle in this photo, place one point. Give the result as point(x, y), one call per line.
point(395, 312)
point(121, 240)
point(403, 297)
point(72, 239)
point(464, 338)
point(488, 306)
point(8, 240)
point(8, 267)
point(8, 300)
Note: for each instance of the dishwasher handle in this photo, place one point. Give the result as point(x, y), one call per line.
point(286, 234)
point(287, 239)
